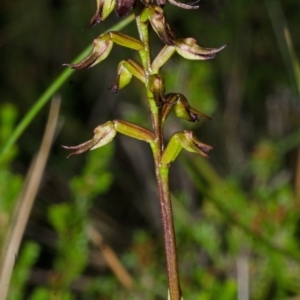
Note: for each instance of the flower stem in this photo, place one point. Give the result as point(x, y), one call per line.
point(162, 175)
point(161, 170)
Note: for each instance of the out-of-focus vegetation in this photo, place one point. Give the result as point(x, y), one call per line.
point(94, 231)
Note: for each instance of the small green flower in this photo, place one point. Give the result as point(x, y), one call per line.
point(186, 140)
point(181, 107)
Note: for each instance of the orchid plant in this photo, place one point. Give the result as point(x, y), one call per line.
point(161, 104)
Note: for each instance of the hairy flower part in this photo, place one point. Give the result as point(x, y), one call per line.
point(181, 107)
point(189, 49)
point(123, 7)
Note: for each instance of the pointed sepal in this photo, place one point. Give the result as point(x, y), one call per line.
point(189, 49)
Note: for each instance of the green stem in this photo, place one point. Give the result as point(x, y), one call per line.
point(50, 91)
point(161, 171)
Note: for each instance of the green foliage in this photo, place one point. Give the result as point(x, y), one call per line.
point(8, 116)
point(40, 294)
point(10, 183)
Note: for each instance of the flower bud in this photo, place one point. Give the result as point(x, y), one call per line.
point(183, 110)
point(157, 87)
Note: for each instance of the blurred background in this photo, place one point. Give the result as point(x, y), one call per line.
point(94, 230)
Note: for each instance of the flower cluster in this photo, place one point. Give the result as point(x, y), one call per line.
point(160, 103)
point(188, 48)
